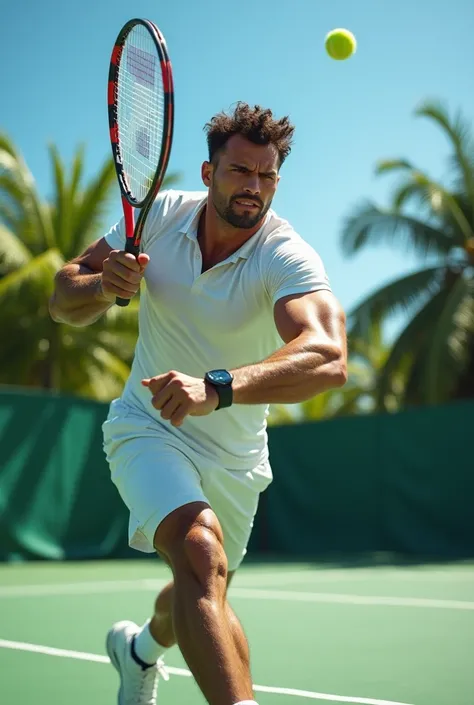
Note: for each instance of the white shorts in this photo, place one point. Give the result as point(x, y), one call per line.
point(155, 474)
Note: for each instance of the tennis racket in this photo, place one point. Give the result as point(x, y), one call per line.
point(140, 107)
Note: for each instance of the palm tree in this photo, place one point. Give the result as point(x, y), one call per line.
point(36, 238)
point(435, 350)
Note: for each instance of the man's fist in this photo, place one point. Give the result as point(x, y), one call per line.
point(178, 395)
point(122, 274)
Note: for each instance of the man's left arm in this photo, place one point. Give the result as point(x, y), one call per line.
point(313, 358)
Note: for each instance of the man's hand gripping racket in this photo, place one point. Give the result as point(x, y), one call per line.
point(140, 106)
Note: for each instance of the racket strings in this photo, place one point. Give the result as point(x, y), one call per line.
point(141, 110)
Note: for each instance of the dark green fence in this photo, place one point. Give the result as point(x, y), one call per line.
point(400, 483)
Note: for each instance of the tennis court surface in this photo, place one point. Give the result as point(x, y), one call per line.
point(369, 635)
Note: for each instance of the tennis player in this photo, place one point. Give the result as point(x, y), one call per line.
point(237, 313)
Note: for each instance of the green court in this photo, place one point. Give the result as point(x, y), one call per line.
point(368, 635)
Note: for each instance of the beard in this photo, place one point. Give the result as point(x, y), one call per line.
point(244, 219)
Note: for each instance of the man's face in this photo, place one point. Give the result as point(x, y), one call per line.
point(243, 182)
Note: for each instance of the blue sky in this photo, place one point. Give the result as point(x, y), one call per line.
point(347, 114)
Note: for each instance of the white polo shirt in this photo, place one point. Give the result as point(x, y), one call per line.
point(193, 322)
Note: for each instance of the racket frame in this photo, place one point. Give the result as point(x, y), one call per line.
point(129, 202)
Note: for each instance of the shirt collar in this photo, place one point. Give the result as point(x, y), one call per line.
point(190, 224)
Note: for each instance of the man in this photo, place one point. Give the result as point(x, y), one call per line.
point(237, 313)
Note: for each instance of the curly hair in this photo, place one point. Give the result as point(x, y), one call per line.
point(255, 124)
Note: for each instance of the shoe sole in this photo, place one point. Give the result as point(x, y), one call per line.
point(115, 662)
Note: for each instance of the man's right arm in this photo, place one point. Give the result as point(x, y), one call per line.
point(88, 285)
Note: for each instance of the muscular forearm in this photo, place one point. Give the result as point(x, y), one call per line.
point(77, 299)
point(296, 372)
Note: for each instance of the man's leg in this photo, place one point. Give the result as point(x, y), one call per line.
point(160, 627)
point(190, 539)
point(203, 624)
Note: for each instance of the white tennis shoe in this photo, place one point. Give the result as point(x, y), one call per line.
point(138, 681)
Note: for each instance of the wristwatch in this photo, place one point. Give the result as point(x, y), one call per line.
point(221, 380)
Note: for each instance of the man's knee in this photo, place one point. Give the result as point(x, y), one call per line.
point(164, 601)
point(191, 540)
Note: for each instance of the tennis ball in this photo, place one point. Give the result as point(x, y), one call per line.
point(340, 44)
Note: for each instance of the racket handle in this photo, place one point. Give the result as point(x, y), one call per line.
point(133, 250)
point(122, 302)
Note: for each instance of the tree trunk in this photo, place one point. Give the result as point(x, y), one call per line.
point(465, 386)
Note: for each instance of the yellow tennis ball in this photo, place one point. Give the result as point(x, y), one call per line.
point(340, 44)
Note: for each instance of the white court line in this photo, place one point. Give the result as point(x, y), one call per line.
point(81, 588)
point(295, 578)
point(299, 577)
point(81, 655)
point(92, 588)
point(372, 600)
point(341, 575)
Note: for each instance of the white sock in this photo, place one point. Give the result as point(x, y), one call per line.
point(146, 648)
point(246, 702)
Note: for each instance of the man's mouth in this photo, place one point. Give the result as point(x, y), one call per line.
point(246, 203)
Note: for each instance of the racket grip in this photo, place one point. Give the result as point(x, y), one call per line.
point(122, 302)
point(133, 250)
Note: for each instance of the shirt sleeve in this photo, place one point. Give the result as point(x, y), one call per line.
point(115, 238)
point(294, 267)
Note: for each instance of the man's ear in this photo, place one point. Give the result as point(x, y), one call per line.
point(207, 170)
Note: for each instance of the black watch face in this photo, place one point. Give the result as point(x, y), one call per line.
point(220, 377)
